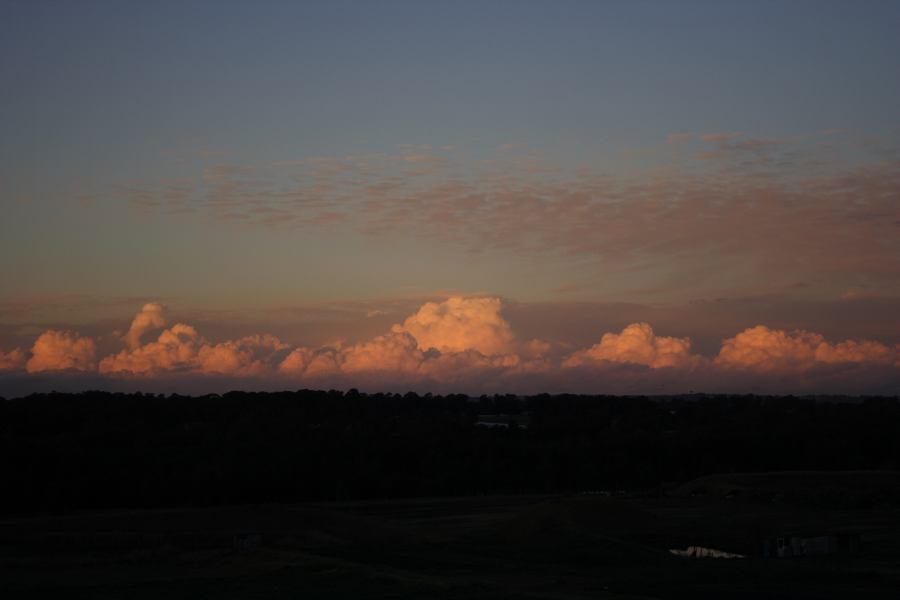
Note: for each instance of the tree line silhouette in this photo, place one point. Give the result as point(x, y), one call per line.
point(98, 450)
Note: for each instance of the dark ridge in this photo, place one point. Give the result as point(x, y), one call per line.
point(98, 450)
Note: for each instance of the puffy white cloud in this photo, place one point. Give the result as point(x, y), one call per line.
point(636, 344)
point(325, 362)
point(395, 351)
point(465, 344)
point(151, 316)
point(446, 341)
point(176, 349)
point(862, 351)
point(14, 359)
point(304, 362)
point(296, 362)
point(440, 341)
point(763, 349)
point(247, 356)
point(459, 324)
point(459, 366)
point(181, 349)
point(61, 350)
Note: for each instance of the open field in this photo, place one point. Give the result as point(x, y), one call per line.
point(329, 495)
point(574, 546)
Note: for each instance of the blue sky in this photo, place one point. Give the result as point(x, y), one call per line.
point(95, 90)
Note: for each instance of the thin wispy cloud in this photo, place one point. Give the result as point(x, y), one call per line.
point(776, 224)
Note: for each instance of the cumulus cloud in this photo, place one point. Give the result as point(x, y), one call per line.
point(636, 344)
point(852, 351)
point(325, 362)
point(247, 356)
point(151, 316)
point(469, 365)
point(61, 350)
point(459, 324)
point(296, 362)
point(763, 349)
point(465, 344)
point(395, 351)
point(12, 360)
point(442, 341)
point(175, 350)
point(180, 348)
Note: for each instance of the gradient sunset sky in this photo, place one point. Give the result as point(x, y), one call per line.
point(604, 197)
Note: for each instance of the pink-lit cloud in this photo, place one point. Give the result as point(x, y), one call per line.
point(180, 348)
point(441, 341)
point(62, 350)
point(247, 356)
point(636, 344)
point(152, 316)
point(863, 351)
point(12, 360)
point(175, 350)
point(459, 324)
point(465, 343)
point(763, 349)
point(395, 351)
point(296, 363)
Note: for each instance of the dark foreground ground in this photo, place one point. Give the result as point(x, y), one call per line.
point(251, 495)
point(528, 546)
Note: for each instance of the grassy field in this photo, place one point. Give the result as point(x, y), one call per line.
point(589, 546)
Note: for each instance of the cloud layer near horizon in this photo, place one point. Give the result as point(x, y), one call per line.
point(465, 343)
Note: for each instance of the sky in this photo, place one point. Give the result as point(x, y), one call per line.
point(622, 197)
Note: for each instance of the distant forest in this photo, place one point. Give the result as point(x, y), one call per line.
point(97, 450)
